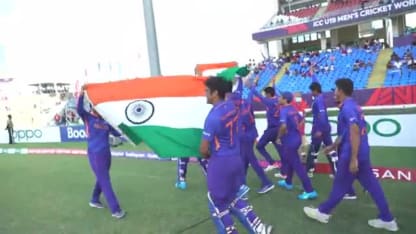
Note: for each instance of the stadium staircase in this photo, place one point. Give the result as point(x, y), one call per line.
point(380, 67)
point(321, 11)
point(280, 74)
point(264, 76)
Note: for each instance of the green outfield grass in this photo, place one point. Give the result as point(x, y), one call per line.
point(49, 195)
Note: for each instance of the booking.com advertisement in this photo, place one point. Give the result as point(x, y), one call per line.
point(73, 133)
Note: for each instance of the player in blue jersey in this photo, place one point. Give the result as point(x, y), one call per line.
point(220, 143)
point(99, 156)
point(354, 161)
point(290, 139)
point(271, 101)
point(321, 131)
point(248, 135)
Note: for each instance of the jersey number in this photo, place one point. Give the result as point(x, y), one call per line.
point(231, 126)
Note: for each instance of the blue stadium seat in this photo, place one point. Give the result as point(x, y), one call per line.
point(404, 75)
point(343, 68)
point(265, 77)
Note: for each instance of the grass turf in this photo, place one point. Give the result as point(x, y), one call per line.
point(49, 194)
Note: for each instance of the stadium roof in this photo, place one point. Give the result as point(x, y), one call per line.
point(320, 24)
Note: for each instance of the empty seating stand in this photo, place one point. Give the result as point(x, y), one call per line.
point(304, 13)
point(339, 6)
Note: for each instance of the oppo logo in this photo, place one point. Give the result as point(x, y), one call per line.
point(384, 127)
point(21, 135)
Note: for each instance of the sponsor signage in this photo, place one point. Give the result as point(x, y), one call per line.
point(383, 130)
point(73, 133)
point(38, 135)
point(337, 21)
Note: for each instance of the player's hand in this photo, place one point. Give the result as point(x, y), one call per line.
point(329, 149)
point(318, 134)
point(256, 81)
point(278, 141)
point(354, 166)
point(246, 82)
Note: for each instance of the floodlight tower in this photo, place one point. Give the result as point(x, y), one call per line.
point(152, 48)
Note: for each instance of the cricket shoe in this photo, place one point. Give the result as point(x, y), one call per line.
point(264, 229)
point(380, 224)
point(97, 205)
point(280, 175)
point(314, 213)
point(270, 168)
point(350, 197)
point(266, 188)
point(283, 184)
point(275, 165)
point(308, 196)
point(181, 185)
point(119, 215)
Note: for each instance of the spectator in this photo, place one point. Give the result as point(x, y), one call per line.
point(57, 119)
point(408, 54)
point(343, 50)
point(356, 65)
point(332, 58)
point(326, 69)
point(287, 72)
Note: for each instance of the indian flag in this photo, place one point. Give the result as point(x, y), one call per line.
point(166, 113)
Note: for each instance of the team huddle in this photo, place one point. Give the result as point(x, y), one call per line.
point(227, 150)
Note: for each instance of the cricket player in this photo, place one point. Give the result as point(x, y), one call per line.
point(220, 143)
point(354, 162)
point(290, 139)
point(301, 106)
point(182, 169)
point(321, 131)
point(270, 134)
point(99, 156)
point(248, 135)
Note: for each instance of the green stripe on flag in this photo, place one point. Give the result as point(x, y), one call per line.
point(164, 141)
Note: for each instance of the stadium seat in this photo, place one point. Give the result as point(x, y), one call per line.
point(343, 67)
point(404, 75)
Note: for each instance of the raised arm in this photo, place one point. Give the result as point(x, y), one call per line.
point(239, 85)
point(249, 99)
point(80, 107)
point(114, 132)
point(266, 101)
